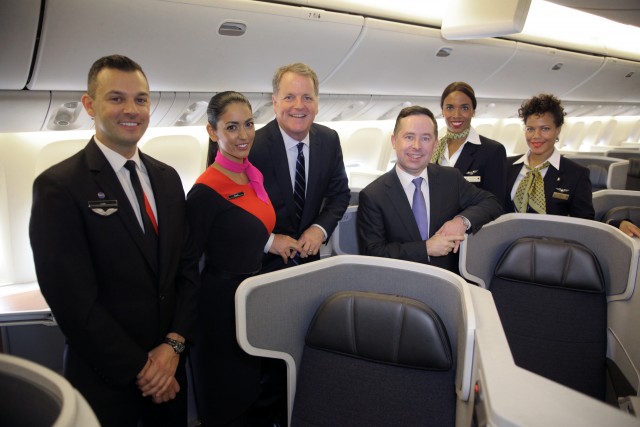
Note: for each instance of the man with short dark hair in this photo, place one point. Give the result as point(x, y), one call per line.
point(114, 260)
point(419, 211)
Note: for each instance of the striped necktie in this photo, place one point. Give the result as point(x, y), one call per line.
point(300, 185)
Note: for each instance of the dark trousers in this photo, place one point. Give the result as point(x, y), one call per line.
point(125, 406)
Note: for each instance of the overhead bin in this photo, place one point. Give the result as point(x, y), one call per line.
point(536, 69)
point(616, 80)
point(189, 45)
point(23, 110)
point(18, 32)
point(392, 58)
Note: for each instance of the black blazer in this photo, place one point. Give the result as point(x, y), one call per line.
point(386, 225)
point(567, 190)
point(111, 303)
point(327, 194)
point(488, 162)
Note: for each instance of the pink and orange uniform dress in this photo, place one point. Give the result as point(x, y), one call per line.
point(230, 227)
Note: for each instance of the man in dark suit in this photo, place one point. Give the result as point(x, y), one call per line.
point(274, 153)
point(115, 264)
point(389, 223)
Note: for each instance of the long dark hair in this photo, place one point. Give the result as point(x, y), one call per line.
point(217, 106)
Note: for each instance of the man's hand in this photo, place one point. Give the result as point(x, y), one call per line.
point(630, 229)
point(310, 241)
point(158, 373)
point(441, 245)
point(453, 227)
point(169, 394)
point(285, 246)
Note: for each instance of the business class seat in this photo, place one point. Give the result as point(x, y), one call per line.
point(629, 213)
point(274, 312)
point(552, 304)
point(605, 172)
point(32, 395)
point(374, 359)
point(344, 240)
point(183, 152)
point(364, 149)
point(605, 200)
point(633, 156)
point(563, 288)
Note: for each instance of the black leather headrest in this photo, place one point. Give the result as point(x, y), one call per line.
point(382, 328)
point(551, 262)
point(634, 166)
point(631, 213)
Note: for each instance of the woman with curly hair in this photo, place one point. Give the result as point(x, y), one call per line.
point(542, 181)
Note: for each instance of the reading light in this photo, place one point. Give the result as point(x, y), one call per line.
point(66, 116)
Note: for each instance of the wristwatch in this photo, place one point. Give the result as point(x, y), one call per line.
point(465, 221)
point(177, 346)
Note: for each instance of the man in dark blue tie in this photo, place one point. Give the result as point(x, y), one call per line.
point(419, 211)
point(303, 170)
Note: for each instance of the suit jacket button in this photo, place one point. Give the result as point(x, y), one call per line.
point(161, 297)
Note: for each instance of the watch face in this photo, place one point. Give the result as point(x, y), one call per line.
point(177, 346)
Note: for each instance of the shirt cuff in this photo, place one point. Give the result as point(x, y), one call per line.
point(323, 231)
point(267, 246)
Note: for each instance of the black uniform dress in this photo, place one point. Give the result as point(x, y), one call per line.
point(231, 226)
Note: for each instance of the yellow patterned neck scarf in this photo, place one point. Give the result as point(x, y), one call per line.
point(442, 145)
point(530, 192)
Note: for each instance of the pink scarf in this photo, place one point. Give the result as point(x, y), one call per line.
point(254, 175)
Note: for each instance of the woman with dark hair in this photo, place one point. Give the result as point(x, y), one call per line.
point(482, 161)
point(542, 181)
point(231, 217)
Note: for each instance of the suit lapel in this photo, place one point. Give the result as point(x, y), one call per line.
point(551, 179)
point(109, 183)
point(156, 177)
point(437, 192)
point(314, 172)
point(278, 155)
point(466, 158)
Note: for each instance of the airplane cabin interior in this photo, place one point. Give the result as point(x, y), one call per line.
point(372, 59)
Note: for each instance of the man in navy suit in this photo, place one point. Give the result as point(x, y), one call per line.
point(274, 153)
point(120, 278)
point(387, 225)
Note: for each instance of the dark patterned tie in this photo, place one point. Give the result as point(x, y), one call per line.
point(419, 209)
point(300, 183)
point(530, 192)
